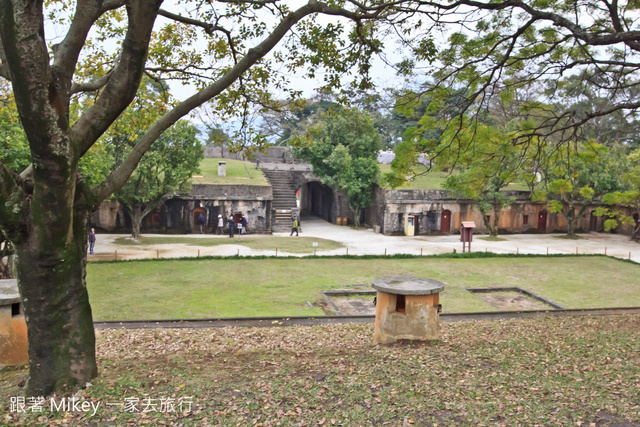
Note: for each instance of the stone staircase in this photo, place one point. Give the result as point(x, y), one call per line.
point(284, 198)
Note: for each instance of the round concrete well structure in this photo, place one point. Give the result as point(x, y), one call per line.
point(406, 308)
point(13, 328)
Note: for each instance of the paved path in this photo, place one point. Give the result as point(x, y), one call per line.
point(366, 242)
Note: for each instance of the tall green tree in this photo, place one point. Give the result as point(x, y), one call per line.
point(575, 176)
point(165, 169)
point(623, 206)
point(105, 48)
point(343, 149)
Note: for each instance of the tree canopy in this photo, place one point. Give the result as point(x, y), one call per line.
point(587, 49)
point(343, 149)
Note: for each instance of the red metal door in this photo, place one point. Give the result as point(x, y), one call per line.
point(542, 222)
point(445, 222)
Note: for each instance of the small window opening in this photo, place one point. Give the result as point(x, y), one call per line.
point(15, 309)
point(488, 217)
point(400, 303)
point(525, 219)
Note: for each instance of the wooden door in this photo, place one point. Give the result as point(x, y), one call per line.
point(593, 223)
point(542, 221)
point(445, 221)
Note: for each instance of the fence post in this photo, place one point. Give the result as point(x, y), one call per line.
point(116, 255)
point(157, 253)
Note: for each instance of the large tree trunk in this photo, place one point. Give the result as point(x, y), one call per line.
point(356, 216)
point(51, 278)
point(497, 208)
point(136, 221)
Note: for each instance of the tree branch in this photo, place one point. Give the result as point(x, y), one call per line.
point(91, 86)
point(66, 53)
point(630, 38)
point(124, 79)
point(118, 177)
point(208, 28)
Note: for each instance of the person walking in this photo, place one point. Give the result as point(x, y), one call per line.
point(92, 241)
point(231, 224)
point(220, 225)
point(202, 221)
point(244, 223)
point(294, 226)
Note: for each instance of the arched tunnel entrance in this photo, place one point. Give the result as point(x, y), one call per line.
point(319, 200)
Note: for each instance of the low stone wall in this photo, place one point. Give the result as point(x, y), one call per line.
point(429, 207)
point(179, 214)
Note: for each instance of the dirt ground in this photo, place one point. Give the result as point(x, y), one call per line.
point(355, 306)
point(512, 301)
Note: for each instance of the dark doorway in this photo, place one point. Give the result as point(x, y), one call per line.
point(445, 221)
point(415, 225)
point(155, 218)
point(212, 222)
point(196, 215)
point(318, 199)
point(542, 221)
point(593, 223)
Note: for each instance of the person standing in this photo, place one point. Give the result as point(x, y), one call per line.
point(231, 224)
point(220, 224)
point(244, 223)
point(92, 240)
point(202, 221)
point(294, 226)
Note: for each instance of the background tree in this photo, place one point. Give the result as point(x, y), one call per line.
point(629, 198)
point(165, 169)
point(14, 148)
point(105, 49)
point(575, 176)
point(343, 148)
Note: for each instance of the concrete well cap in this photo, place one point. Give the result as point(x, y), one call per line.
point(407, 285)
point(9, 292)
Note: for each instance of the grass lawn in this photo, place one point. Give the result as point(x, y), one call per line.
point(298, 245)
point(434, 180)
point(280, 286)
point(522, 372)
point(238, 173)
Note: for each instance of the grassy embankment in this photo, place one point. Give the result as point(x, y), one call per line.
point(237, 173)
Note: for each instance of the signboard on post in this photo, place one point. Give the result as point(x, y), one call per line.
point(466, 234)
